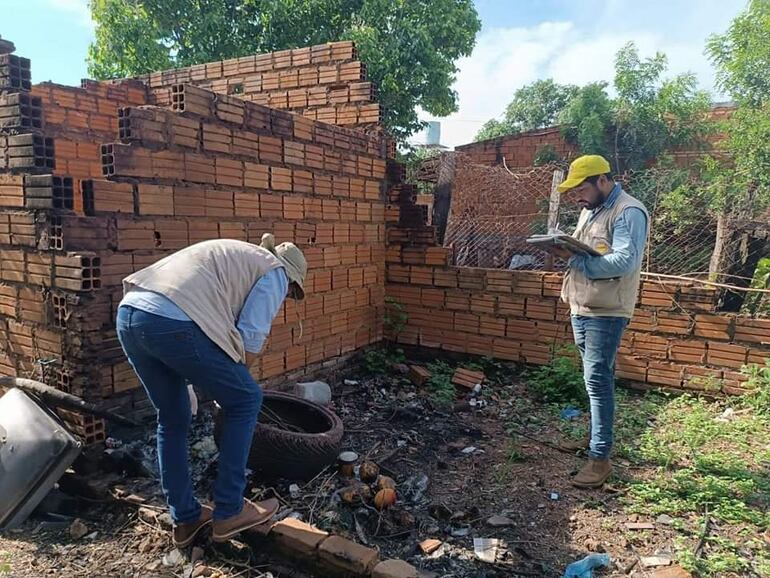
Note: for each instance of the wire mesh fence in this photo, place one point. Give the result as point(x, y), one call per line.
point(494, 210)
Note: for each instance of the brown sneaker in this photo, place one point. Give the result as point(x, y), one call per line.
point(184, 534)
point(593, 474)
point(253, 514)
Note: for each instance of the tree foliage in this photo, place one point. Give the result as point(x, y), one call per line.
point(648, 115)
point(742, 59)
point(534, 106)
point(409, 46)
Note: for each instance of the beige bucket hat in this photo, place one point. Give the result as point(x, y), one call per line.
point(293, 261)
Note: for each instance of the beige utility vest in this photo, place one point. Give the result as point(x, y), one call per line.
point(210, 282)
point(602, 297)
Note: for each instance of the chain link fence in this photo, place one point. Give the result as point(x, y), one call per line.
point(494, 210)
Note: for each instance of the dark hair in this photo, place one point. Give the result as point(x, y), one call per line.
point(595, 178)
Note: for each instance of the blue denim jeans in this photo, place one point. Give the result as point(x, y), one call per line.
point(165, 354)
point(597, 339)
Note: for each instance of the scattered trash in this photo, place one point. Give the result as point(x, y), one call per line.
point(478, 403)
point(570, 413)
point(416, 486)
point(477, 389)
point(316, 391)
point(664, 519)
point(584, 568)
point(555, 496)
point(467, 378)
point(78, 529)
point(499, 522)
point(384, 482)
point(469, 450)
point(112, 443)
point(485, 549)
point(727, 415)
point(346, 461)
point(640, 526)
point(384, 499)
point(401, 443)
point(369, 472)
point(460, 532)
point(350, 382)
point(173, 558)
point(294, 491)
point(206, 448)
point(430, 545)
point(655, 561)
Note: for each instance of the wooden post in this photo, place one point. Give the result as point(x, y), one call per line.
point(553, 210)
point(443, 194)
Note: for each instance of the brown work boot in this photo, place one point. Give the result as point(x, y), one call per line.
point(253, 514)
point(593, 474)
point(576, 445)
point(184, 534)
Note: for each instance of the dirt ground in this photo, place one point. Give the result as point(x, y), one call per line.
point(454, 469)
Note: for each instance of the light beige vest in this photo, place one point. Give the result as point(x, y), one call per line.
point(210, 282)
point(602, 297)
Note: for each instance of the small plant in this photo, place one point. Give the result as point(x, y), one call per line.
point(378, 361)
point(395, 317)
point(442, 390)
point(561, 380)
point(759, 385)
point(545, 153)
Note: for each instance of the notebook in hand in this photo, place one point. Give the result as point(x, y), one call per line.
point(562, 240)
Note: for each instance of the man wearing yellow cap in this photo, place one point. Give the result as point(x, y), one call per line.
point(602, 293)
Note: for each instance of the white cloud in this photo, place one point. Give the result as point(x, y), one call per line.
point(505, 59)
point(79, 8)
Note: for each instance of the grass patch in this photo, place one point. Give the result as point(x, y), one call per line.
point(703, 465)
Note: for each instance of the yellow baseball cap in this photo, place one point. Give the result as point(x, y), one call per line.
point(582, 168)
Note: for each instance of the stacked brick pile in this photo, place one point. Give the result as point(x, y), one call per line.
point(143, 181)
point(324, 82)
point(37, 285)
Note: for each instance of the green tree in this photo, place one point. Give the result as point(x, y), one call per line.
point(536, 105)
point(652, 115)
point(739, 179)
point(492, 129)
point(410, 47)
point(587, 118)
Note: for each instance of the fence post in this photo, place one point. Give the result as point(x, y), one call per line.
point(553, 210)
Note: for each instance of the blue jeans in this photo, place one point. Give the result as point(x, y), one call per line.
point(166, 353)
point(597, 339)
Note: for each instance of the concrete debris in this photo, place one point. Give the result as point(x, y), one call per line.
point(499, 521)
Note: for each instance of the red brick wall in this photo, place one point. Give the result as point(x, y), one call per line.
point(206, 166)
point(518, 150)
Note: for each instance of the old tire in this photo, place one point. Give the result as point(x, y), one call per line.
point(280, 453)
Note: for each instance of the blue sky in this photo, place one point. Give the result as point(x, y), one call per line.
point(520, 41)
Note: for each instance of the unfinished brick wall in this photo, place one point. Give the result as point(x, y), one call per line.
point(324, 82)
point(156, 179)
point(676, 339)
point(519, 150)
